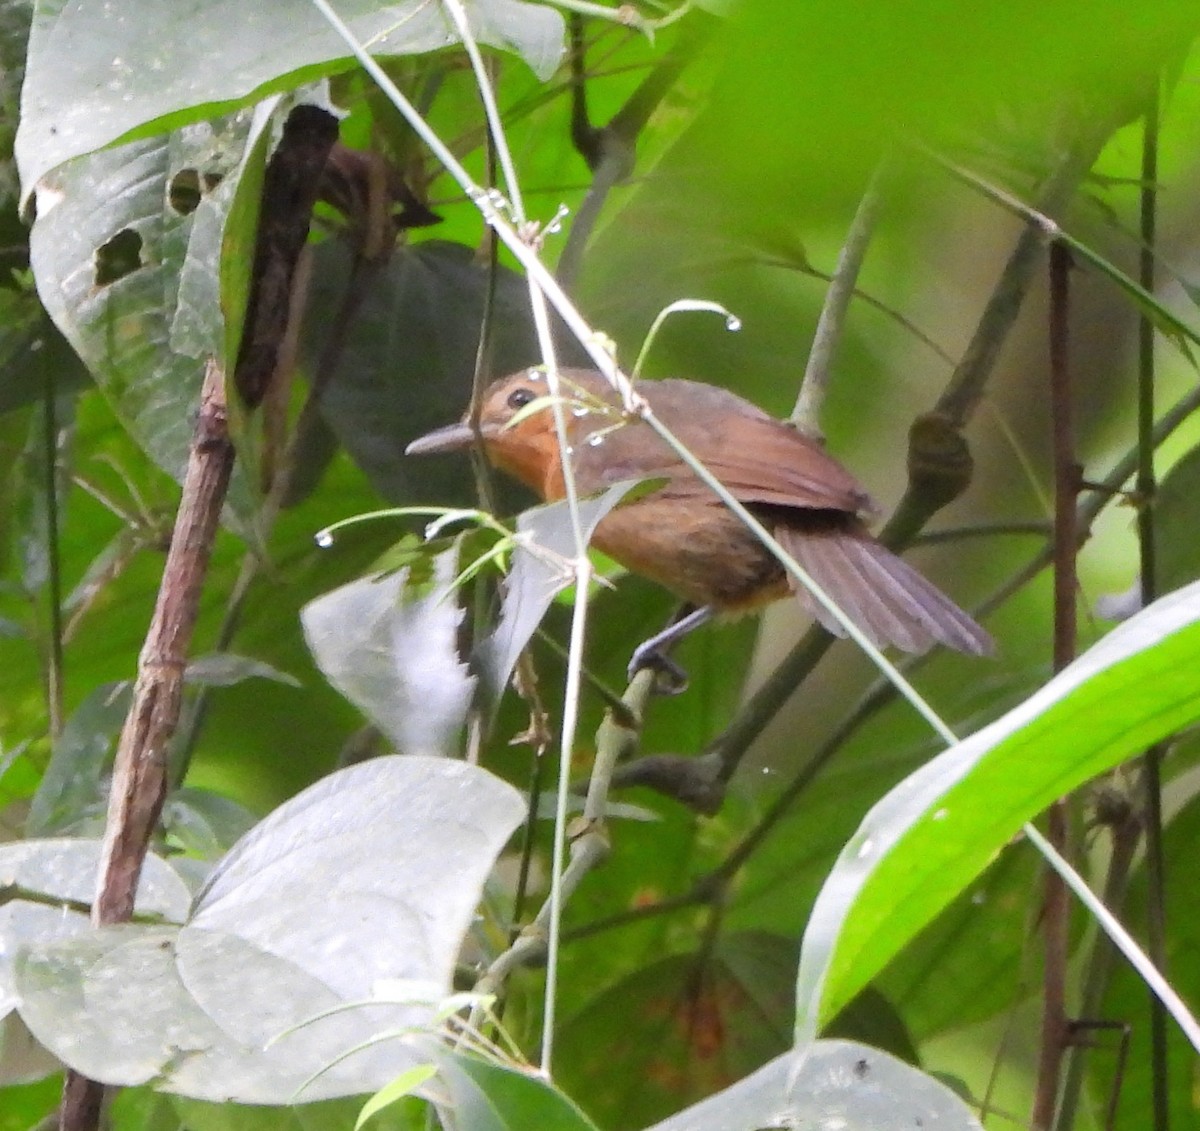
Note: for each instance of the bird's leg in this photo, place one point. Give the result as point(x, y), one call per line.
point(652, 653)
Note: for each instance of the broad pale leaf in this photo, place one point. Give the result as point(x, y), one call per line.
point(67, 868)
point(391, 648)
point(541, 570)
point(366, 879)
point(833, 1084)
point(100, 73)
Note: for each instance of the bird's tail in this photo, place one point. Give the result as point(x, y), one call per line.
point(882, 594)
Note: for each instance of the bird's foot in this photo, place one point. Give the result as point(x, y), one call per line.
point(672, 679)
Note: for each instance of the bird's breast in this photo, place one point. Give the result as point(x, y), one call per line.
point(697, 549)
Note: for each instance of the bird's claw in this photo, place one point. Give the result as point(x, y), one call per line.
point(672, 679)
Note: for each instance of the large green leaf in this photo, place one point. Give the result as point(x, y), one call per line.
point(370, 876)
point(401, 358)
point(102, 73)
point(129, 276)
point(487, 1097)
point(936, 831)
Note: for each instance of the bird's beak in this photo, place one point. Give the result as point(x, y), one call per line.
point(451, 438)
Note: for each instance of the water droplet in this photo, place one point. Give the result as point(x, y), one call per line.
point(595, 439)
point(733, 323)
point(532, 375)
point(581, 412)
point(866, 848)
point(570, 450)
point(941, 814)
point(323, 539)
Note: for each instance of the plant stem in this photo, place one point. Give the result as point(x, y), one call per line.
point(806, 415)
point(1151, 777)
point(1055, 907)
point(139, 782)
point(54, 596)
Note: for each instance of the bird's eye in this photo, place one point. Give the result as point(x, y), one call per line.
point(519, 398)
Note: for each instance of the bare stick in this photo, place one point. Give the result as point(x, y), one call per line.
point(139, 785)
point(1055, 910)
point(139, 775)
point(806, 416)
point(1156, 915)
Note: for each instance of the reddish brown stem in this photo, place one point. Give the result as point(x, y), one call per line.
point(1067, 477)
point(140, 771)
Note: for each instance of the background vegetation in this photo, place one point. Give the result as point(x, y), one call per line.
point(739, 156)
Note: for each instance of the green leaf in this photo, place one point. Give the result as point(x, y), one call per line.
point(1177, 513)
point(1134, 1076)
point(368, 877)
point(143, 67)
point(939, 828)
point(488, 1097)
point(204, 823)
point(73, 791)
point(130, 282)
point(404, 1085)
point(830, 1084)
point(224, 669)
point(31, 351)
point(391, 648)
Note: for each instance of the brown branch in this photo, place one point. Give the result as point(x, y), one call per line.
point(1067, 476)
point(610, 150)
point(1156, 913)
point(139, 774)
point(806, 414)
point(139, 785)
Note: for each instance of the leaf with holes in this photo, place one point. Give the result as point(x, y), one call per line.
point(144, 67)
point(126, 280)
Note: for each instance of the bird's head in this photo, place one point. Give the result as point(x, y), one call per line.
point(516, 425)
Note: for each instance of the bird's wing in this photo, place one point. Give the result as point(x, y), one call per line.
point(758, 458)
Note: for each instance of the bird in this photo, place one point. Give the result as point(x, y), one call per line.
point(682, 536)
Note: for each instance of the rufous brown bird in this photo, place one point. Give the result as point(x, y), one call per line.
point(682, 536)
